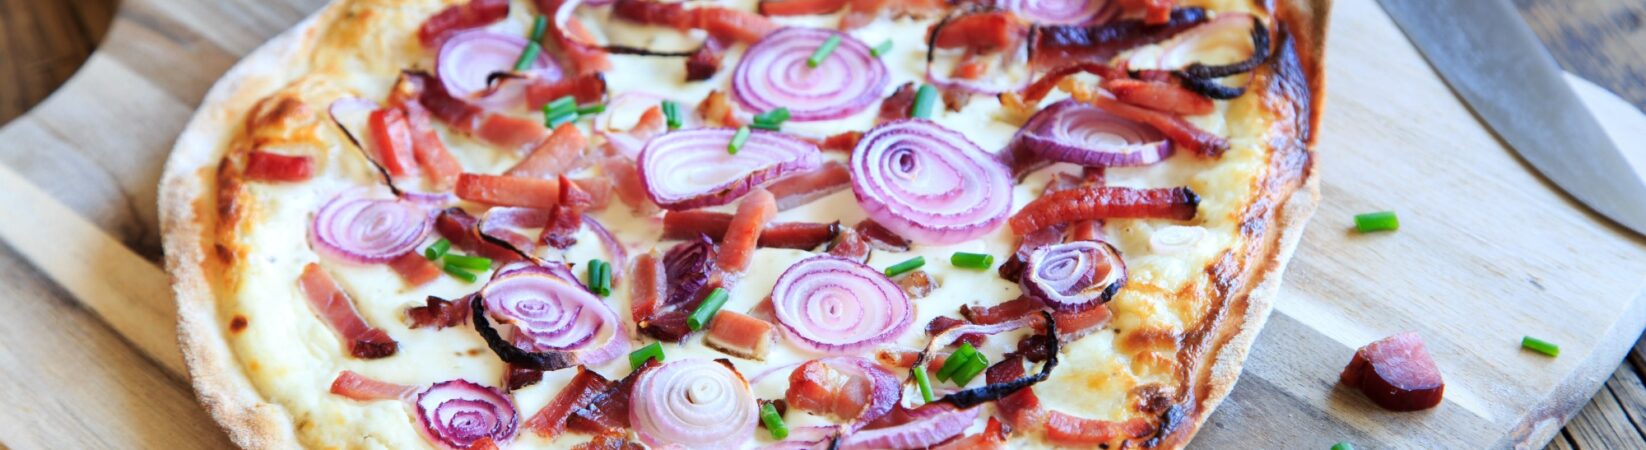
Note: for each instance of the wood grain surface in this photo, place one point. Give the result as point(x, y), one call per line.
point(161, 56)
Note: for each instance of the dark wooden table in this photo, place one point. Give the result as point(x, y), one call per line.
point(43, 42)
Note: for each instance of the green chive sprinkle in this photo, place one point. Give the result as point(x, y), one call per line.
point(539, 26)
point(561, 105)
point(905, 266)
point(600, 278)
point(557, 120)
point(979, 261)
point(823, 51)
point(459, 272)
point(881, 49)
point(475, 263)
point(1343, 446)
point(925, 102)
point(1540, 346)
point(671, 111)
point(1377, 221)
point(596, 108)
point(738, 139)
point(527, 56)
point(707, 310)
point(771, 120)
point(650, 352)
point(974, 365)
point(437, 249)
point(925, 385)
point(955, 361)
point(774, 422)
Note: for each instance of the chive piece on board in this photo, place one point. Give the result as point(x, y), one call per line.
point(1377, 221)
point(1540, 346)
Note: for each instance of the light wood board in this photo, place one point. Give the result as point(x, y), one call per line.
point(1488, 252)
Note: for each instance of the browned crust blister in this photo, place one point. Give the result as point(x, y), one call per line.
point(1247, 279)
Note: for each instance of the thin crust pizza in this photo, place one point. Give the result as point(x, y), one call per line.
point(743, 224)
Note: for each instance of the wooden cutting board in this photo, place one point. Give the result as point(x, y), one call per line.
point(1488, 252)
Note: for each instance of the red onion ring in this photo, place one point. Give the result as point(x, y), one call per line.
point(882, 398)
point(932, 425)
point(614, 248)
point(835, 305)
point(1074, 276)
point(467, 61)
point(693, 403)
point(458, 413)
point(353, 227)
point(557, 314)
point(1064, 12)
point(691, 169)
point(929, 183)
point(773, 73)
point(1075, 132)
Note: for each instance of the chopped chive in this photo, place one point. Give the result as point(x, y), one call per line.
point(905, 266)
point(561, 105)
point(738, 139)
point(1343, 446)
point(707, 310)
point(527, 56)
point(596, 108)
point(774, 116)
point(925, 102)
point(459, 272)
point(980, 261)
point(974, 365)
point(925, 385)
point(1540, 346)
point(774, 422)
point(881, 49)
point(650, 352)
point(557, 120)
point(955, 361)
point(539, 26)
point(1377, 221)
point(600, 277)
point(437, 249)
point(823, 51)
point(475, 263)
point(671, 111)
point(768, 126)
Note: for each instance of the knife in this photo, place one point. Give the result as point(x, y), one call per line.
point(1491, 58)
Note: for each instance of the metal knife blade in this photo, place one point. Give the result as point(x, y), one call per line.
point(1490, 57)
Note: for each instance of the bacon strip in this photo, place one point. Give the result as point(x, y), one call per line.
point(737, 249)
point(878, 236)
point(844, 142)
point(705, 61)
point(501, 190)
point(898, 105)
point(439, 166)
point(650, 286)
point(1043, 86)
point(499, 130)
point(582, 390)
point(1159, 96)
point(1058, 45)
point(364, 341)
point(818, 388)
point(724, 23)
point(360, 387)
point(800, 189)
point(392, 138)
point(555, 156)
point(414, 268)
point(265, 166)
point(456, 18)
point(585, 89)
point(608, 411)
point(439, 313)
point(686, 225)
point(740, 335)
point(459, 227)
point(1105, 203)
point(1180, 131)
point(1071, 430)
point(980, 32)
point(799, 7)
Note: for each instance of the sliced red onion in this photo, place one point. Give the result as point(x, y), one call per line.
point(467, 61)
point(929, 183)
point(886, 389)
point(557, 314)
point(354, 227)
point(835, 305)
point(1074, 276)
point(695, 404)
point(691, 169)
point(1064, 12)
point(774, 73)
point(458, 413)
point(615, 250)
point(932, 424)
point(1075, 132)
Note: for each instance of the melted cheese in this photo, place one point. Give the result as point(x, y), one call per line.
point(292, 356)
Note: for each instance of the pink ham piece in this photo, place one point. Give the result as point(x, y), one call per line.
point(1396, 373)
point(740, 335)
point(362, 388)
point(364, 341)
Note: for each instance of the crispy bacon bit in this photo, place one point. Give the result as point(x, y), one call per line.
point(916, 284)
point(993, 437)
point(609, 441)
point(979, 32)
point(566, 218)
point(439, 166)
point(1105, 203)
point(705, 61)
point(729, 24)
point(743, 234)
point(650, 286)
point(500, 190)
point(364, 341)
point(739, 335)
point(275, 167)
point(1075, 325)
point(1058, 45)
point(581, 391)
point(608, 411)
point(940, 324)
point(844, 142)
point(449, 21)
point(1180, 131)
point(1159, 96)
point(414, 268)
point(391, 136)
point(360, 387)
point(850, 245)
point(511, 133)
point(508, 132)
point(989, 315)
point(687, 267)
point(516, 377)
point(1155, 12)
point(686, 225)
point(818, 388)
point(881, 238)
point(585, 88)
point(904, 359)
point(484, 443)
point(717, 109)
point(799, 7)
point(800, 189)
point(898, 105)
point(458, 226)
point(1043, 86)
point(1070, 430)
point(439, 313)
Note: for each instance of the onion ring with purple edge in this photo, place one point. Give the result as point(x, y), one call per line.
point(693, 403)
point(928, 183)
point(1074, 276)
point(458, 413)
point(356, 228)
point(691, 169)
point(834, 305)
point(774, 73)
point(1075, 132)
point(467, 61)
